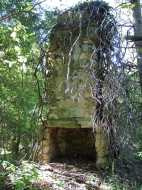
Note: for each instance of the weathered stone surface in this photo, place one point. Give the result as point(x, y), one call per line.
point(85, 55)
point(45, 149)
point(53, 47)
point(102, 153)
point(71, 87)
point(102, 162)
point(45, 156)
point(46, 135)
point(100, 129)
point(45, 143)
point(71, 99)
point(62, 123)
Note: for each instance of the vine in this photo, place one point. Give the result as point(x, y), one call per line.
point(109, 80)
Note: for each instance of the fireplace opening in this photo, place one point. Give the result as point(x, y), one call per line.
point(67, 142)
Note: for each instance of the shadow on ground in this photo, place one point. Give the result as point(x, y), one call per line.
point(79, 173)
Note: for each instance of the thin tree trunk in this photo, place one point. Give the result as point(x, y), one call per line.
point(15, 146)
point(137, 14)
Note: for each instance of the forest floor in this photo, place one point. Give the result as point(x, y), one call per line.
point(79, 174)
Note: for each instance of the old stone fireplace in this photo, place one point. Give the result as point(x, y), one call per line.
point(72, 126)
point(67, 142)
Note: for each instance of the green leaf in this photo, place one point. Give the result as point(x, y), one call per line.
point(2, 69)
point(125, 6)
point(36, 175)
point(3, 175)
point(21, 26)
point(29, 4)
point(90, 177)
point(132, 6)
point(5, 164)
point(28, 8)
point(21, 185)
point(12, 167)
point(140, 50)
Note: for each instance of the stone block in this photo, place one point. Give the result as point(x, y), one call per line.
point(102, 162)
point(82, 63)
point(85, 15)
point(46, 135)
point(45, 161)
point(87, 94)
point(45, 149)
point(59, 62)
point(53, 46)
point(58, 52)
point(77, 49)
point(87, 48)
point(45, 156)
point(100, 129)
point(76, 56)
point(85, 56)
point(84, 123)
point(88, 42)
point(45, 142)
point(68, 103)
point(53, 116)
point(102, 153)
point(40, 157)
point(100, 141)
point(63, 123)
point(59, 81)
point(63, 18)
point(100, 144)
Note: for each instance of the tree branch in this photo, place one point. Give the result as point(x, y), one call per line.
point(4, 18)
point(134, 38)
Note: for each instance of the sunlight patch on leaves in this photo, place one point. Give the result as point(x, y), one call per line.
point(22, 59)
point(1, 54)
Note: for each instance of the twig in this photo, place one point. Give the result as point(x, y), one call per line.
point(4, 18)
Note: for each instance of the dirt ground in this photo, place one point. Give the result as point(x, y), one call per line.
point(82, 174)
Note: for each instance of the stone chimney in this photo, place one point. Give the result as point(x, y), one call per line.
point(72, 128)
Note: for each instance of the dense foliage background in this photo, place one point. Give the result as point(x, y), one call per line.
point(23, 27)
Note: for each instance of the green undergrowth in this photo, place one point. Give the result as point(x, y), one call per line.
point(125, 174)
point(20, 174)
